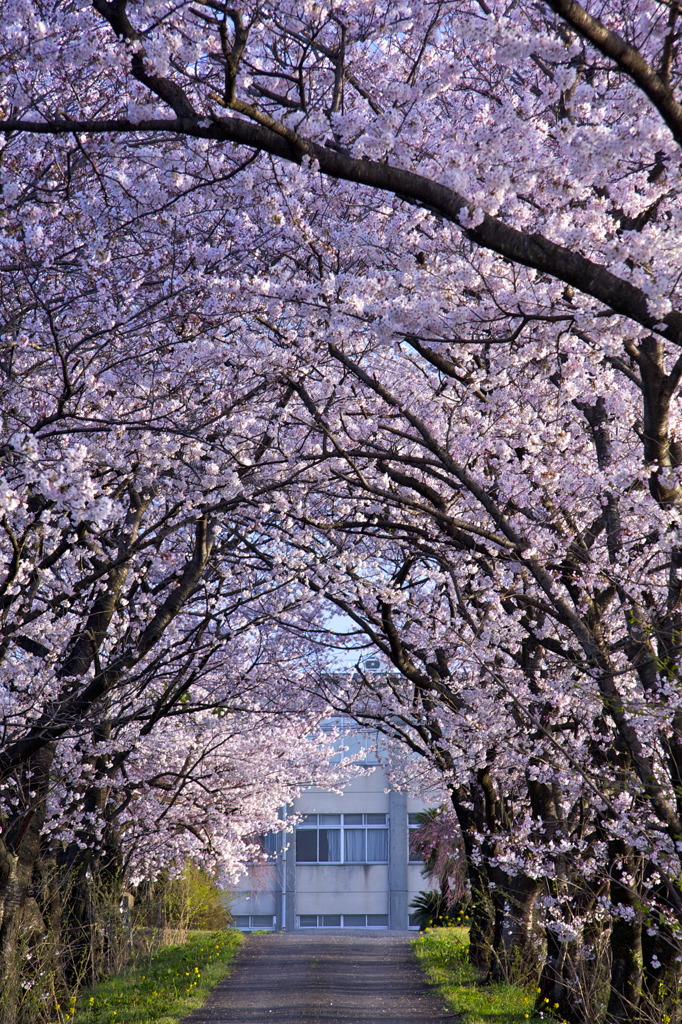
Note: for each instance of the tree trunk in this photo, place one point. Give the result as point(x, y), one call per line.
point(662, 970)
point(481, 912)
point(92, 890)
point(481, 920)
point(21, 922)
point(626, 938)
point(516, 959)
point(559, 982)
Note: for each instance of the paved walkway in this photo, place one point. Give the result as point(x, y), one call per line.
point(324, 979)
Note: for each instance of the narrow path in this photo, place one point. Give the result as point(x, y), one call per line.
point(324, 979)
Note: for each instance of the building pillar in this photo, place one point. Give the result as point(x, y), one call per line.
point(278, 874)
point(289, 887)
point(397, 861)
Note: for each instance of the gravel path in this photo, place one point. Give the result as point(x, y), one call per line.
point(324, 979)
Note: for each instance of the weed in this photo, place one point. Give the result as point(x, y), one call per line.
point(161, 988)
point(443, 955)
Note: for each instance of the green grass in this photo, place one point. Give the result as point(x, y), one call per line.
point(442, 953)
point(161, 988)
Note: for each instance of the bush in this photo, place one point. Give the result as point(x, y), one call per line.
point(190, 900)
point(431, 909)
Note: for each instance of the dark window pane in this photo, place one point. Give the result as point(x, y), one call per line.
point(261, 921)
point(306, 846)
point(330, 844)
point(377, 920)
point(308, 920)
point(375, 819)
point(331, 920)
point(241, 921)
point(270, 843)
point(329, 819)
point(352, 819)
point(354, 921)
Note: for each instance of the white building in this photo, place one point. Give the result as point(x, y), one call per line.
point(347, 865)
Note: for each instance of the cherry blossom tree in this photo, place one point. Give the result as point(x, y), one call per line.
point(440, 243)
point(142, 648)
point(142, 703)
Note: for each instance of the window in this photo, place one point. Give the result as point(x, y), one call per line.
point(319, 845)
point(368, 845)
point(358, 744)
point(343, 921)
point(414, 821)
point(342, 839)
point(270, 844)
point(246, 922)
point(267, 844)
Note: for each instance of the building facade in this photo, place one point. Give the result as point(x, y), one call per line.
point(347, 865)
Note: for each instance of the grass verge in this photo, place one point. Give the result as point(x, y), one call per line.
point(162, 988)
point(442, 953)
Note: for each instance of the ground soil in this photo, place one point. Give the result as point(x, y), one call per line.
point(324, 979)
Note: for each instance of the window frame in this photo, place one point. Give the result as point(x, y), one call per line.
point(255, 922)
point(344, 921)
point(347, 822)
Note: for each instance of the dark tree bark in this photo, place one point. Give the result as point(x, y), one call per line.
point(21, 921)
point(626, 937)
point(481, 911)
